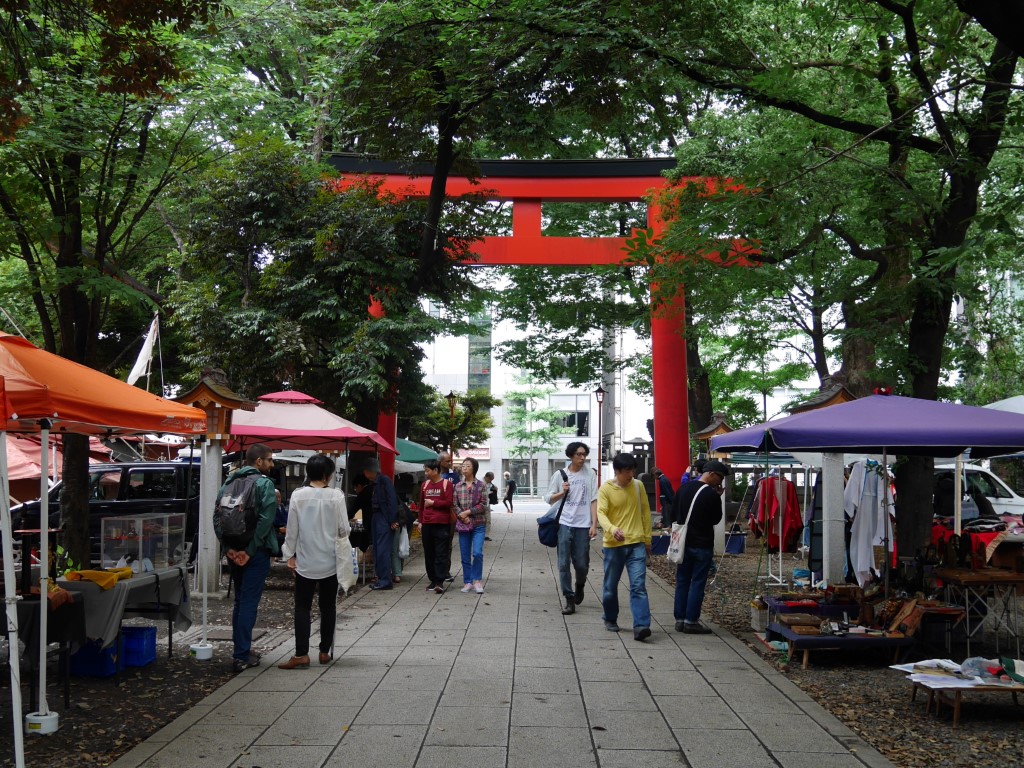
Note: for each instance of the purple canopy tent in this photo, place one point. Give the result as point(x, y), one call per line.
point(879, 424)
point(890, 424)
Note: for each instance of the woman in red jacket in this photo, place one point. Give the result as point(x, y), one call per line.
point(436, 501)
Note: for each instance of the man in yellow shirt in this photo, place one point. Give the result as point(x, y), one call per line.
point(625, 517)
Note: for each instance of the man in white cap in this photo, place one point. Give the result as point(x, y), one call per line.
point(699, 505)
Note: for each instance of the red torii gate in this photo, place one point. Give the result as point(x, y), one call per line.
point(528, 184)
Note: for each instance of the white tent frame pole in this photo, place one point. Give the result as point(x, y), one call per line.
point(11, 600)
point(44, 559)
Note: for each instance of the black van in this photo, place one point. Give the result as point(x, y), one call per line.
point(133, 488)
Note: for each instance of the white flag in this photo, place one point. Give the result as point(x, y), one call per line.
point(146, 353)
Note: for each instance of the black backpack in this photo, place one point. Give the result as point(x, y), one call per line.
point(234, 517)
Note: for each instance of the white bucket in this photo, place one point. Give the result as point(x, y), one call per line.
point(201, 651)
point(40, 724)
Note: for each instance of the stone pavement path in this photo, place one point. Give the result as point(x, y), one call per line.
point(503, 679)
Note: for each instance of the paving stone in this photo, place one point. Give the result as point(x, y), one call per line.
point(724, 749)
point(391, 745)
point(461, 757)
point(530, 680)
point(632, 696)
point(469, 727)
point(643, 758)
point(309, 725)
point(477, 693)
point(545, 746)
point(785, 732)
point(700, 712)
point(398, 707)
point(550, 709)
point(621, 729)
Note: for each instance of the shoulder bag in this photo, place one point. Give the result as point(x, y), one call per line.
point(677, 543)
point(547, 524)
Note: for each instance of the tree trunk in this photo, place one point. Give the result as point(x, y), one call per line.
point(698, 390)
point(74, 499)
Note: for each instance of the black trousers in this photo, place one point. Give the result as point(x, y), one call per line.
point(327, 588)
point(437, 550)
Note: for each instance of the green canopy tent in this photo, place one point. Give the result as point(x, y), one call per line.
point(413, 453)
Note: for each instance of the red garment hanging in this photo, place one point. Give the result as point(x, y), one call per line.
point(765, 522)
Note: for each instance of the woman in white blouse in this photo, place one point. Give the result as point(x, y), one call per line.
point(316, 519)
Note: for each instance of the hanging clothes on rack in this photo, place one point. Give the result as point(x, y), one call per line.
point(866, 499)
point(777, 496)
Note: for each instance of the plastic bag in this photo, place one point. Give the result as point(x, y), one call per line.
point(403, 543)
point(976, 666)
point(347, 565)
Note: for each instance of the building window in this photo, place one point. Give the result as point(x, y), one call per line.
point(574, 414)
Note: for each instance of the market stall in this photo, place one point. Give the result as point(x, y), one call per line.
point(879, 424)
point(42, 393)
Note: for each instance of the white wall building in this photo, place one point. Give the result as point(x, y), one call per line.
point(461, 363)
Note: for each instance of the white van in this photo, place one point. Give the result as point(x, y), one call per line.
point(1004, 501)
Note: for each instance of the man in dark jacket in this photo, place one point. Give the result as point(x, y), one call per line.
point(699, 505)
point(383, 522)
point(249, 567)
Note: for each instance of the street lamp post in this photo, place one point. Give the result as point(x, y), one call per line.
point(599, 393)
point(452, 399)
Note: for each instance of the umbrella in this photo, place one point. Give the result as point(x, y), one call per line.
point(40, 392)
point(284, 420)
point(413, 453)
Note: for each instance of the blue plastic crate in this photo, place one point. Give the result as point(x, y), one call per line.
point(139, 646)
point(92, 661)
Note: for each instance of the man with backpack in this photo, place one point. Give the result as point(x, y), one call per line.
point(244, 523)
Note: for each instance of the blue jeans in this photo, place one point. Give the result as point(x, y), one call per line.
point(471, 545)
point(632, 557)
point(573, 550)
point(691, 579)
point(248, 583)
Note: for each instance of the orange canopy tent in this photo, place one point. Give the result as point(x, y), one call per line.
point(75, 398)
point(40, 392)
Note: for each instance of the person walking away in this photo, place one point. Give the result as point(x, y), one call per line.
point(249, 566)
point(510, 492)
point(471, 521)
point(578, 523)
point(665, 495)
point(625, 516)
point(492, 499)
point(699, 505)
point(383, 522)
point(317, 518)
point(437, 498)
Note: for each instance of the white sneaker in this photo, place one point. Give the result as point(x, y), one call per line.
point(467, 588)
point(479, 586)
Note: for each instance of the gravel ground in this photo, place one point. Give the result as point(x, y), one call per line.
point(105, 720)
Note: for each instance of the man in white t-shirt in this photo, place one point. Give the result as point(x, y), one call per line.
point(578, 523)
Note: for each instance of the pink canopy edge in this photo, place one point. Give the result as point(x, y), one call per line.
point(294, 420)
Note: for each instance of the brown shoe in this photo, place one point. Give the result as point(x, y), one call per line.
point(295, 662)
point(325, 658)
